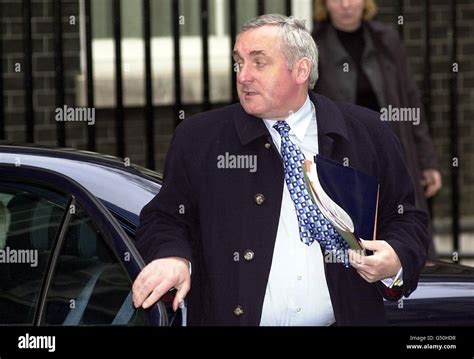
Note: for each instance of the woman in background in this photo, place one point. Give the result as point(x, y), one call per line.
point(362, 61)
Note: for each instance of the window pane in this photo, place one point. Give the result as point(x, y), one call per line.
point(132, 24)
point(246, 9)
point(28, 225)
point(192, 17)
point(161, 18)
point(90, 286)
point(275, 7)
point(211, 7)
point(101, 13)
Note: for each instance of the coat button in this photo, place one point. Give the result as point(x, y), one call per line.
point(238, 311)
point(248, 255)
point(259, 198)
point(267, 145)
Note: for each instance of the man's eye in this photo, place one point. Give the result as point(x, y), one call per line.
point(259, 63)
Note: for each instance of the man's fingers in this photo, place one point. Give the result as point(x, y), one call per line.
point(368, 261)
point(145, 283)
point(181, 294)
point(148, 285)
point(356, 259)
point(140, 281)
point(158, 277)
point(136, 290)
point(157, 293)
point(371, 245)
point(364, 275)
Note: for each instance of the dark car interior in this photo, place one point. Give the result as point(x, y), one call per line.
point(89, 286)
point(21, 282)
point(89, 272)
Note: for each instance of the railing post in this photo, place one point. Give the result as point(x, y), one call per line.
point(260, 7)
point(400, 12)
point(91, 133)
point(453, 117)
point(119, 120)
point(233, 35)
point(205, 54)
point(149, 115)
point(59, 69)
point(2, 109)
point(288, 7)
point(28, 72)
point(177, 61)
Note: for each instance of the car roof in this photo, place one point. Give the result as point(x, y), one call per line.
point(121, 187)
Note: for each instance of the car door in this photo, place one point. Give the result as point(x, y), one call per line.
point(85, 262)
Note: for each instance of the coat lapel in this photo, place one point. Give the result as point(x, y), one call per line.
point(248, 127)
point(331, 124)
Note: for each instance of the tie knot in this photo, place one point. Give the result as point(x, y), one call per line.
point(282, 127)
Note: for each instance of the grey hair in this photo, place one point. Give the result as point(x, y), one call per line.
point(295, 39)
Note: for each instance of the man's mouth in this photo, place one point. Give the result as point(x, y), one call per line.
point(250, 93)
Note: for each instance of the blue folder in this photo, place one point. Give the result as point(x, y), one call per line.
point(357, 193)
point(354, 191)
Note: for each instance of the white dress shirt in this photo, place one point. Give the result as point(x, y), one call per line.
point(297, 292)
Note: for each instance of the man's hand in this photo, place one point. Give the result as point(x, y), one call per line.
point(384, 263)
point(431, 180)
point(158, 277)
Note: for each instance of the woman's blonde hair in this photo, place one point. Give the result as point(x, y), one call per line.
point(321, 12)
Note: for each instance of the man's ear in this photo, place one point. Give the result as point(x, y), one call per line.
point(303, 70)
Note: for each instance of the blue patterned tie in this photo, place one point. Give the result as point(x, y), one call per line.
point(312, 224)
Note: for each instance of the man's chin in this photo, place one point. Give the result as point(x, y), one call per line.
point(252, 112)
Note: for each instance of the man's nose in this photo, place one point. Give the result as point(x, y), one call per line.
point(244, 75)
point(345, 3)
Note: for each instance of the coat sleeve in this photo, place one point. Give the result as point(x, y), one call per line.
point(168, 221)
point(426, 154)
point(400, 223)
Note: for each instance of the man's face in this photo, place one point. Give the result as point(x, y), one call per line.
point(266, 87)
point(346, 15)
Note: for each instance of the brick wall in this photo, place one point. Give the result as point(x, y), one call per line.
point(440, 77)
point(43, 66)
point(44, 94)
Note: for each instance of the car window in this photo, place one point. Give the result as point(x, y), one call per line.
point(28, 226)
point(89, 286)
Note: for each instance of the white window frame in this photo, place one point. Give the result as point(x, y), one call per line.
point(163, 65)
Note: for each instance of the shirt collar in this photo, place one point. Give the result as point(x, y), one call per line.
point(329, 116)
point(298, 121)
